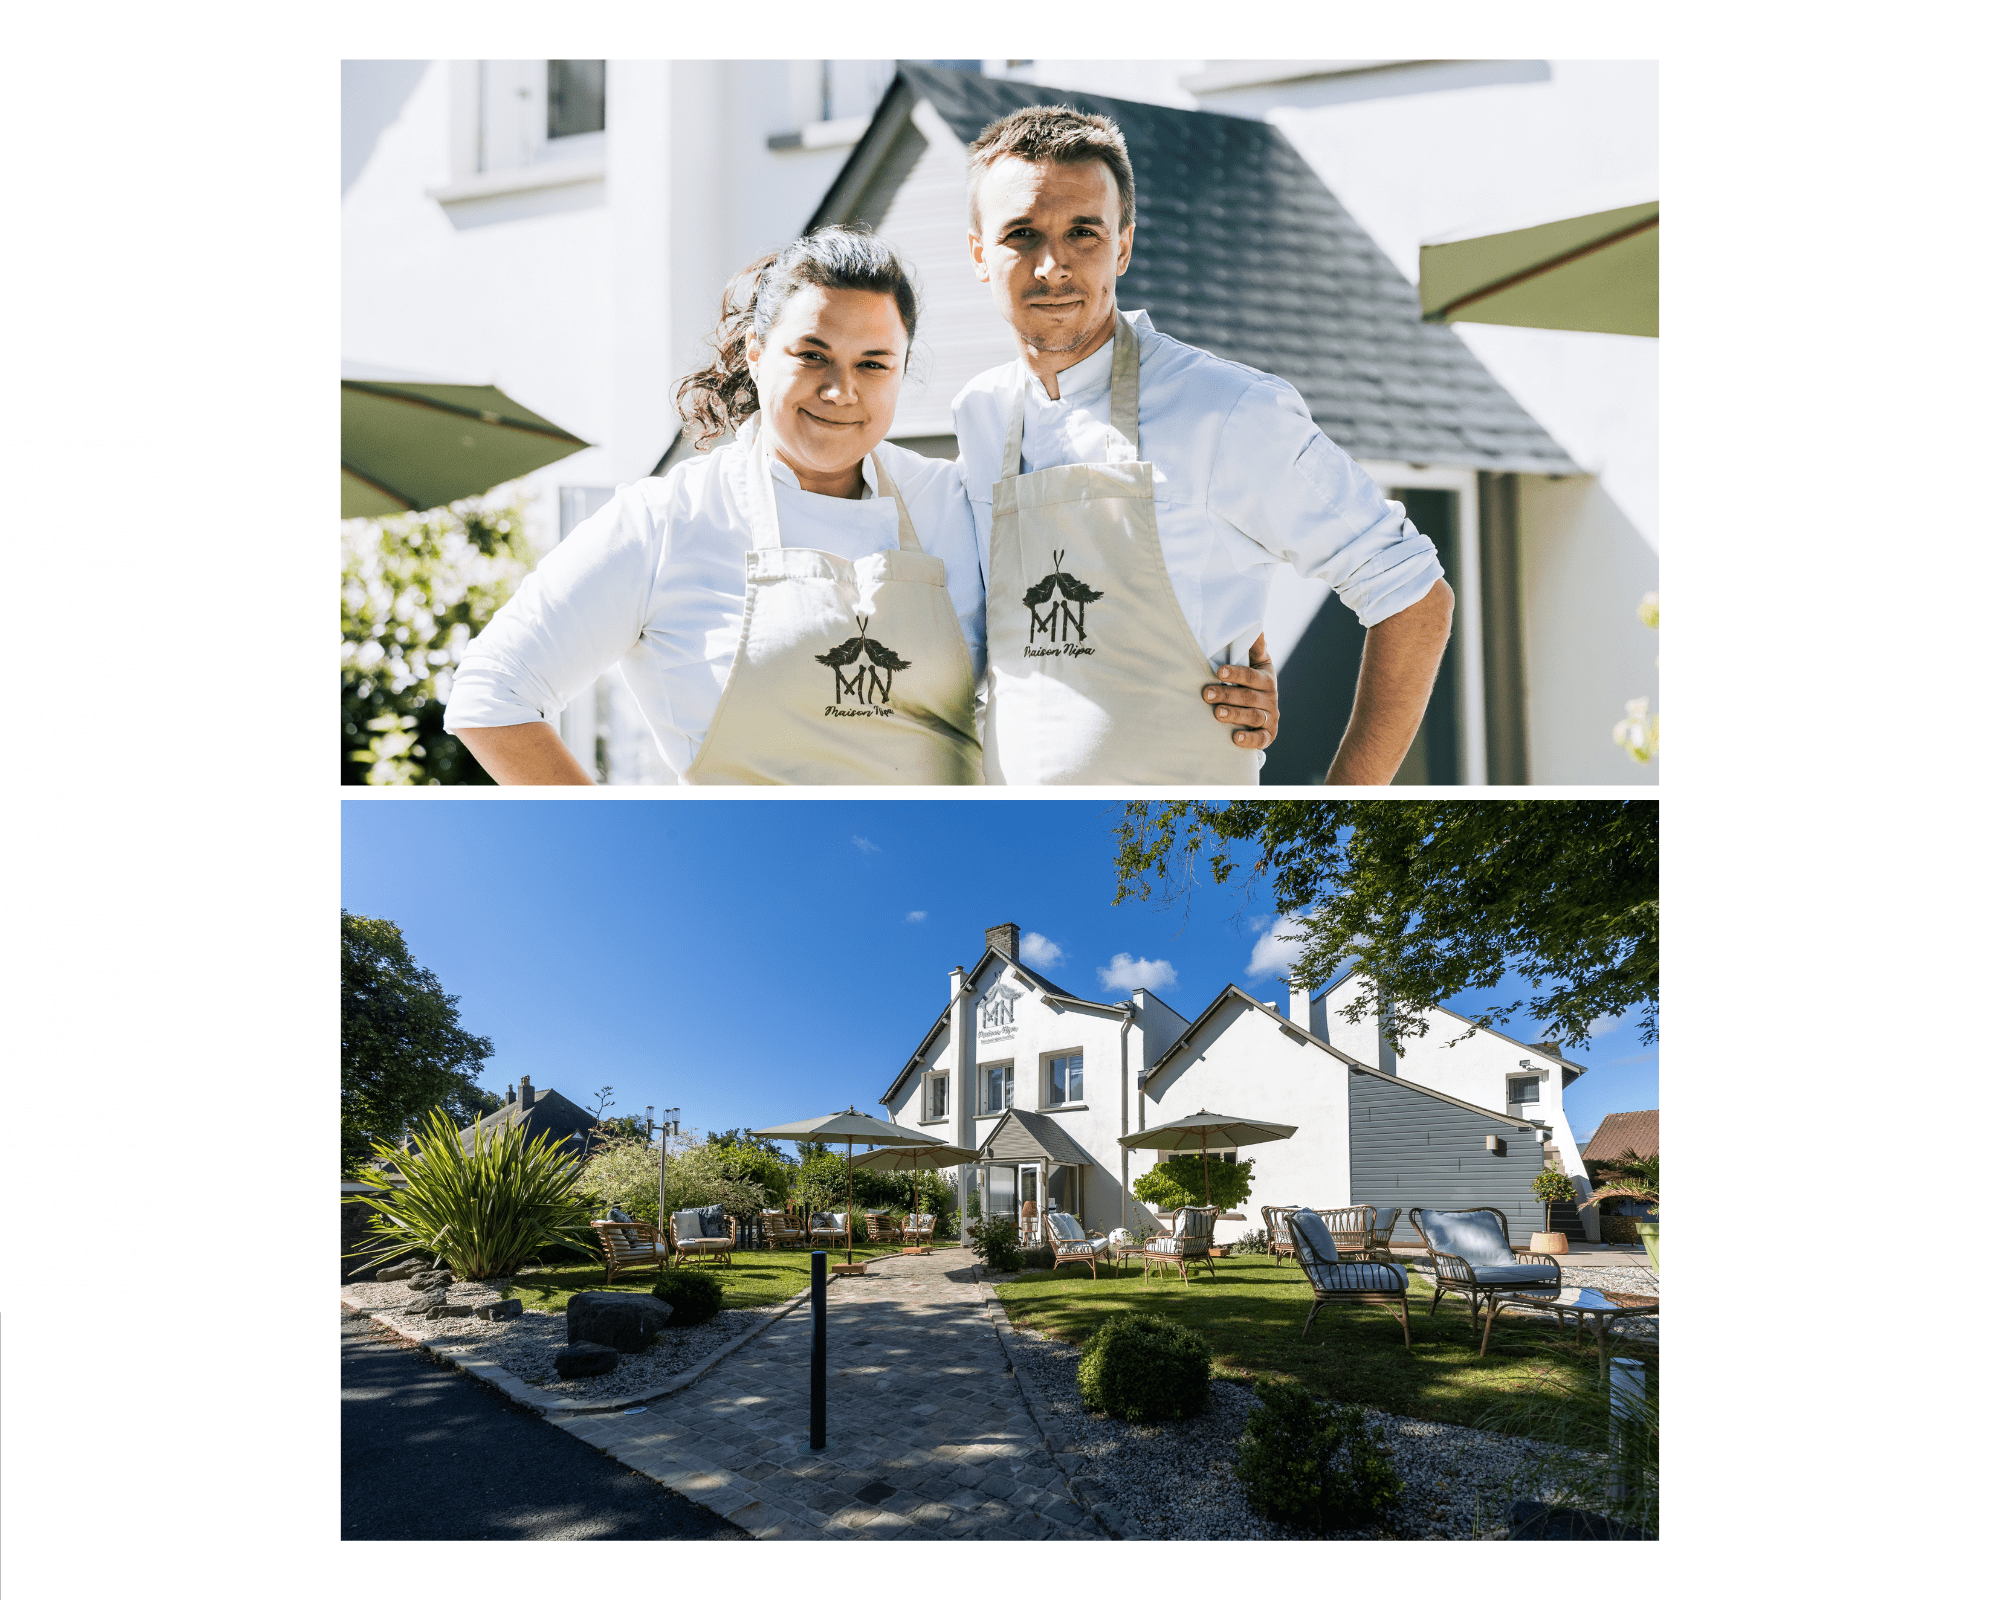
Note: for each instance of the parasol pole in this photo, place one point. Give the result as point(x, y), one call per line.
point(850, 1201)
point(1204, 1167)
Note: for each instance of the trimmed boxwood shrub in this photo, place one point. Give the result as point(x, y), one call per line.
point(1314, 1466)
point(695, 1296)
point(1142, 1367)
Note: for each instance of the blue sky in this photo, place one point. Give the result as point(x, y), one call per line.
point(758, 961)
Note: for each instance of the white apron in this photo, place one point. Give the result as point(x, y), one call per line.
point(846, 671)
point(1096, 675)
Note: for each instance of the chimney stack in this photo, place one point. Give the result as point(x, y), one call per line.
point(1301, 1009)
point(510, 1096)
point(957, 982)
point(1006, 939)
point(527, 1095)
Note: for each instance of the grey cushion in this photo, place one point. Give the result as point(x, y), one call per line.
point(822, 1221)
point(1520, 1272)
point(1474, 1236)
point(613, 1214)
point(687, 1226)
point(1354, 1277)
point(1066, 1226)
point(1311, 1232)
point(713, 1224)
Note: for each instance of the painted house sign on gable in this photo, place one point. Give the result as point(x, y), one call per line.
point(996, 1013)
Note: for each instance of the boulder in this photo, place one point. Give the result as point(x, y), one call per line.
point(585, 1360)
point(408, 1267)
point(626, 1322)
point(425, 1305)
point(429, 1279)
point(498, 1311)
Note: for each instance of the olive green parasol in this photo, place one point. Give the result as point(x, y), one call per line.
point(1204, 1128)
point(851, 1127)
point(1596, 274)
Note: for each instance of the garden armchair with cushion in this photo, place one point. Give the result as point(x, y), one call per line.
point(1073, 1244)
point(828, 1230)
point(1337, 1282)
point(1470, 1255)
point(702, 1233)
point(782, 1230)
point(1278, 1229)
point(1193, 1240)
point(920, 1227)
point(1378, 1235)
point(626, 1243)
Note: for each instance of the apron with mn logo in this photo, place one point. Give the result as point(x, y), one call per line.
point(846, 671)
point(1096, 676)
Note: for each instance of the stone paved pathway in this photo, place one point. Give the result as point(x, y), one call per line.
point(927, 1433)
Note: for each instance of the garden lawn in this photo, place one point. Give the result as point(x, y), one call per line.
point(758, 1278)
point(1251, 1312)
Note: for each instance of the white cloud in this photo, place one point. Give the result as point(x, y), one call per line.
point(1600, 1026)
point(1276, 950)
point(916, 916)
point(1135, 972)
point(867, 846)
point(1040, 951)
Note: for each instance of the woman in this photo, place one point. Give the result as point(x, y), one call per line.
point(803, 606)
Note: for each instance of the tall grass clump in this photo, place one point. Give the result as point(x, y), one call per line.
point(1592, 1469)
point(484, 1211)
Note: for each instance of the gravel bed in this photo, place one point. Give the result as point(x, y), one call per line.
point(1176, 1480)
point(528, 1345)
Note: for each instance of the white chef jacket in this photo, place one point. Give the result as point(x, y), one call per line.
point(1242, 479)
point(653, 584)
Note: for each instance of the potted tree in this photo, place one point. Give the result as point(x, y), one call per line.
point(1551, 1186)
point(1634, 1177)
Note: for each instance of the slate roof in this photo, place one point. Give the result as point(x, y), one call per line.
point(551, 1113)
point(1243, 251)
point(1637, 1131)
point(1030, 1133)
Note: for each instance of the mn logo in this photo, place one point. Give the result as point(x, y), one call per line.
point(1062, 622)
point(868, 681)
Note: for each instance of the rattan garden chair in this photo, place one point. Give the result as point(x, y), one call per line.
point(690, 1246)
point(1193, 1240)
point(629, 1244)
point(1278, 1230)
point(1073, 1244)
point(782, 1230)
point(827, 1230)
point(882, 1228)
point(919, 1227)
point(1471, 1256)
point(1378, 1235)
point(1337, 1282)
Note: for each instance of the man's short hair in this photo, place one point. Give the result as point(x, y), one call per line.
point(1054, 133)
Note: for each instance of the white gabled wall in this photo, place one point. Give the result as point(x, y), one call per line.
point(1243, 1062)
point(959, 333)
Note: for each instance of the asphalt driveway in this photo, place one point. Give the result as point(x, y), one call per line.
point(428, 1453)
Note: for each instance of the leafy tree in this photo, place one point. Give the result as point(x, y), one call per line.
point(414, 591)
point(466, 1103)
point(752, 1141)
point(1177, 1182)
point(1427, 899)
point(1552, 1188)
point(402, 1052)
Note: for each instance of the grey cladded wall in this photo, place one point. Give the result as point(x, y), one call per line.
point(1412, 1149)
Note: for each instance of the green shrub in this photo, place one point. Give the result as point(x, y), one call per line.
point(484, 1210)
point(1178, 1181)
point(1140, 1367)
point(695, 1296)
point(995, 1242)
point(1314, 1466)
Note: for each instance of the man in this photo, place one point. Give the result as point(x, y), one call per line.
point(1132, 495)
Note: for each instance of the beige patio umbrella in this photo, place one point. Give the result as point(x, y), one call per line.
point(408, 443)
point(1597, 274)
point(1204, 1127)
point(849, 1127)
point(914, 1159)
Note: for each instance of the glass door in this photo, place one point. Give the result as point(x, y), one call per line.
point(1031, 1202)
point(1000, 1192)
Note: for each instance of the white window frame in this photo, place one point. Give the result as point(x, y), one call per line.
point(986, 1067)
point(924, 1097)
point(1049, 1058)
point(1536, 1078)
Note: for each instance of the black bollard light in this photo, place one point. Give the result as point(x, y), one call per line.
point(818, 1424)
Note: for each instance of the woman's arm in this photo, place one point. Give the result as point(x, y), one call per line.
point(526, 753)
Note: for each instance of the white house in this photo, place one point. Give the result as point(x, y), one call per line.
point(565, 229)
point(1045, 1083)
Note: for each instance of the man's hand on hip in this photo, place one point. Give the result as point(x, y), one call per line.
point(1247, 699)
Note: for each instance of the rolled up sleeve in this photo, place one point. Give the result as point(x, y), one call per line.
point(576, 615)
point(1279, 480)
